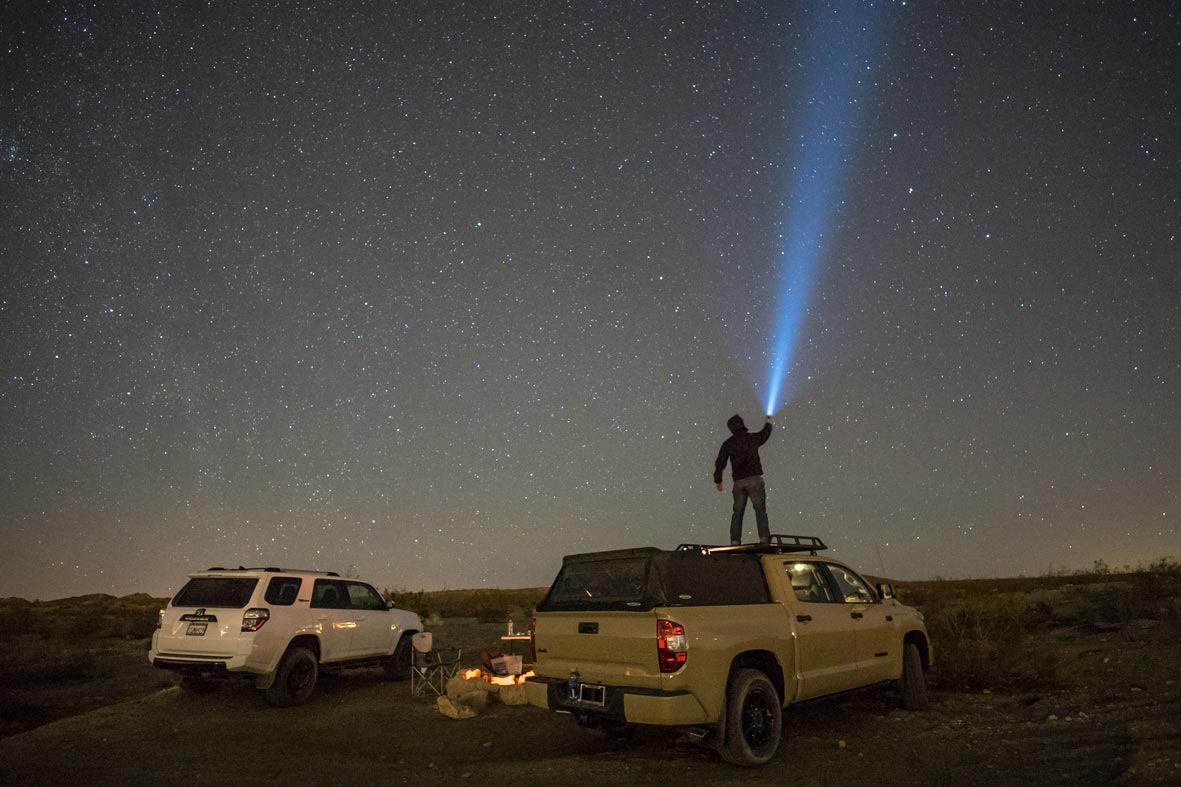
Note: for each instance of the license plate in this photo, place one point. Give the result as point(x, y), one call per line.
point(591, 694)
point(196, 629)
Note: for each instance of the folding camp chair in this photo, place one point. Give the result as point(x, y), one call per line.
point(431, 669)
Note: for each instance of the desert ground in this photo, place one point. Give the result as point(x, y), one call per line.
point(1048, 681)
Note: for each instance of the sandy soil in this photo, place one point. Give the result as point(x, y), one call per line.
point(1117, 722)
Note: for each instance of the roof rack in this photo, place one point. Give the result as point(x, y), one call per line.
point(273, 569)
point(778, 544)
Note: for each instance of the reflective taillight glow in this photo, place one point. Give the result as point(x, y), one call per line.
point(254, 619)
point(672, 646)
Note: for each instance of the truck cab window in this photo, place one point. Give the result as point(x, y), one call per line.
point(853, 588)
point(808, 583)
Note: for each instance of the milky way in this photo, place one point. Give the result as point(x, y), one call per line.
point(435, 293)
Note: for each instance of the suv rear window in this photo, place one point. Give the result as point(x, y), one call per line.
point(281, 591)
point(230, 592)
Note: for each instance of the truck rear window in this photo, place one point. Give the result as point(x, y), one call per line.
point(601, 584)
point(230, 592)
point(643, 579)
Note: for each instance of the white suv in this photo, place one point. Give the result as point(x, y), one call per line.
point(281, 627)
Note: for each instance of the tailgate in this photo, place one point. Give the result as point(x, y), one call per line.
point(211, 633)
point(615, 648)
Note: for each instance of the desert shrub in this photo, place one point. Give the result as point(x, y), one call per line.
point(487, 605)
point(412, 600)
point(139, 624)
point(982, 644)
point(54, 665)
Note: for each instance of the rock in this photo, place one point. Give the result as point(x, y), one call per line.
point(454, 710)
point(513, 695)
point(472, 692)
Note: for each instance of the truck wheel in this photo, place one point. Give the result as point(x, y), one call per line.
point(754, 719)
point(397, 665)
point(913, 683)
point(295, 680)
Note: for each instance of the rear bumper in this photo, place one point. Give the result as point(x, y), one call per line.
point(620, 703)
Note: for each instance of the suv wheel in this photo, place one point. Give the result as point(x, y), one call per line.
point(913, 683)
point(397, 665)
point(295, 680)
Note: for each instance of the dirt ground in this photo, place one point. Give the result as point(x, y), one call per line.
point(1118, 722)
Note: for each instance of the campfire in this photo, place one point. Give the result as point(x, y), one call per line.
point(496, 680)
point(469, 691)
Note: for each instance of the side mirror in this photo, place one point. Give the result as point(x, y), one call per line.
point(885, 590)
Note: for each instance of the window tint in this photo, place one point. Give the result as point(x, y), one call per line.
point(714, 580)
point(281, 591)
point(231, 592)
point(600, 584)
point(807, 581)
point(362, 596)
point(854, 589)
point(329, 594)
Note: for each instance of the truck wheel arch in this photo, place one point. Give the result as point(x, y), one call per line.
point(762, 660)
point(917, 638)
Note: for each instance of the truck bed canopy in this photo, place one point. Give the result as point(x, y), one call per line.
point(641, 579)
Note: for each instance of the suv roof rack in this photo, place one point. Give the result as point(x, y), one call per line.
point(779, 543)
point(276, 570)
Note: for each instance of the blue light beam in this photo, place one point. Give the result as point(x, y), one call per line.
point(836, 77)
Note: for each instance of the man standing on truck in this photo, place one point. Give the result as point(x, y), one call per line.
point(741, 449)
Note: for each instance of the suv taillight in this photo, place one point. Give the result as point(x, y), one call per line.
point(253, 619)
point(533, 640)
point(672, 647)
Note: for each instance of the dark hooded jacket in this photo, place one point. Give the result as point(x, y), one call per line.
point(741, 449)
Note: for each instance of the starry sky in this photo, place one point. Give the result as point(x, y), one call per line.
point(435, 293)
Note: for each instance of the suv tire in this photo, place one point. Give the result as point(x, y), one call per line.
point(913, 683)
point(754, 719)
point(295, 680)
point(397, 665)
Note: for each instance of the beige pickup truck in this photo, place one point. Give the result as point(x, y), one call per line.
point(720, 639)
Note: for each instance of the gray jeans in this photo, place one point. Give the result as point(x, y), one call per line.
point(750, 487)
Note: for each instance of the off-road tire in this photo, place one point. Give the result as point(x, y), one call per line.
point(913, 683)
point(295, 680)
point(397, 665)
point(754, 719)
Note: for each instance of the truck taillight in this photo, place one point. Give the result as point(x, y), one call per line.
point(253, 619)
point(533, 640)
point(672, 647)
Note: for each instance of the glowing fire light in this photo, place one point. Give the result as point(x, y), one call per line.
point(498, 680)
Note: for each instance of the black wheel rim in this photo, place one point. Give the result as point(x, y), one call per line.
point(299, 680)
point(758, 719)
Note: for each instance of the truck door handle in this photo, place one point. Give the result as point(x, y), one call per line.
point(803, 618)
point(856, 615)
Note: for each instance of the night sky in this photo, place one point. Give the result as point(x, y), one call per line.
point(434, 293)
